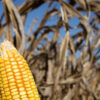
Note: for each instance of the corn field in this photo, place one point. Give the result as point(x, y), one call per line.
point(64, 67)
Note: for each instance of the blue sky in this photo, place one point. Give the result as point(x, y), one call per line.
point(39, 12)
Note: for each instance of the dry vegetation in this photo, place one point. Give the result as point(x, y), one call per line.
point(60, 73)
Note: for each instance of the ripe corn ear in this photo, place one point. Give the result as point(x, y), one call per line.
point(16, 80)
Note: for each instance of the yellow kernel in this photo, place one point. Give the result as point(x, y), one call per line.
point(14, 66)
point(36, 95)
point(21, 66)
point(0, 82)
point(10, 77)
point(19, 81)
point(12, 59)
point(25, 72)
point(7, 90)
point(7, 62)
point(3, 72)
point(20, 62)
point(21, 57)
point(32, 82)
point(30, 95)
point(13, 85)
point(28, 89)
point(3, 97)
point(25, 61)
point(23, 97)
point(16, 70)
point(17, 74)
point(33, 86)
point(32, 98)
point(31, 77)
point(17, 97)
point(17, 56)
point(21, 89)
point(8, 66)
point(13, 90)
point(18, 77)
point(4, 76)
point(22, 69)
point(26, 83)
point(20, 85)
point(26, 67)
point(25, 76)
point(9, 69)
point(8, 97)
point(1, 65)
point(2, 92)
point(1, 60)
point(27, 86)
point(13, 63)
point(35, 91)
point(28, 92)
point(18, 59)
point(5, 86)
point(4, 79)
point(9, 73)
point(2, 69)
point(7, 93)
point(22, 93)
point(14, 93)
point(25, 79)
point(29, 72)
point(11, 80)
point(1, 88)
point(38, 98)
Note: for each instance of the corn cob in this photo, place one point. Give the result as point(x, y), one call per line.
point(16, 80)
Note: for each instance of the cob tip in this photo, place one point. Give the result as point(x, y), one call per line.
point(5, 46)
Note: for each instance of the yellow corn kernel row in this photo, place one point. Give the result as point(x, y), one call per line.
point(16, 80)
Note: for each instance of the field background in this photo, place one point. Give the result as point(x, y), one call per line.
point(60, 39)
